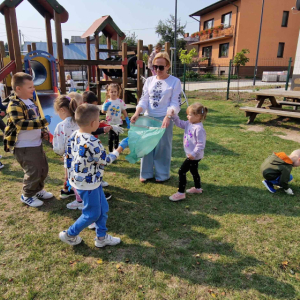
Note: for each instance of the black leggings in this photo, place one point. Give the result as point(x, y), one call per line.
point(2, 124)
point(113, 140)
point(192, 166)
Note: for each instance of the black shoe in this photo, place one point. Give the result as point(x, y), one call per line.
point(107, 196)
point(65, 195)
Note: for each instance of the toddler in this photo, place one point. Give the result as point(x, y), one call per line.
point(194, 141)
point(70, 81)
point(114, 107)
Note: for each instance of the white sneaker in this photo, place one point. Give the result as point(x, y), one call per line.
point(75, 205)
point(44, 195)
point(107, 241)
point(1, 164)
point(31, 201)
point(71, 240)
point(104, 184)
point(92, 226)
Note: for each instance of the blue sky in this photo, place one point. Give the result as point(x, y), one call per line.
point(137, 16)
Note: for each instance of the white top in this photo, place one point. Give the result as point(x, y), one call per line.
point(71, 82)
point(161, 96)
point(62, 133)
point(114, 112)
point(2, 91)
point(85, 159)
point(30, 138)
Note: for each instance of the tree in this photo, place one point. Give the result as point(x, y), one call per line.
point(166, 31)
point(187, 58)
point(240, 58)
point(103, 41)
point(131, 39)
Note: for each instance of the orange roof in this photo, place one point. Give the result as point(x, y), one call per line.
point(107, 26)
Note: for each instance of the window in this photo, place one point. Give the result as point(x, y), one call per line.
point(208, 24)
point(223, 50)
point(206, 51)
point(226, 19)
point(285, 19)
point(280, 50)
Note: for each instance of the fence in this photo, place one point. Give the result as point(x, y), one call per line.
point(227, 81)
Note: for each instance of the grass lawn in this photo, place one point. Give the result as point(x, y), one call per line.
point(235, 241)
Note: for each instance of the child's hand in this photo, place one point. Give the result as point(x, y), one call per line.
point(103, 121)
point(45, 135)
point(105, 106)
point(117, 129)
point(2, 113)
point(48, 118)
point(289, 191)
point(191, 157)
point(124, 143)
point(127, 122)
point(134, 118)
point(107, 129)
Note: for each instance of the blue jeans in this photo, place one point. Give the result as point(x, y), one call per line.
point(95, 210)
point(277, 180)
point(159, 158)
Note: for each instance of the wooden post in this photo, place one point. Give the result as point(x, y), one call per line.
point(15, 38)
point(108, 42)
point(9, 36)
point(98, 71)
point(124, 77)
point(118, 42)
point(60, 53)
point(150, 49)
point(33, 46)
point(49, 33)
point(29, 48)
point(88, 56)
point(139, 69)
point(167, 48)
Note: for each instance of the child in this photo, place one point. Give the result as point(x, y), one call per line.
point(114, 107)
point(194, 141)
point(157, 49)
point(65, 107)
point(23, 136)
point(70, 81)
point(276, 170)
point(77, 96)
point(85, 158)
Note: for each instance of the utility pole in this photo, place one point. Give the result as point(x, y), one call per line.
point(258, 44)
point(175, 39)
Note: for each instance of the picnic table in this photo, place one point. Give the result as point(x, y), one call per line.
point(275, 108)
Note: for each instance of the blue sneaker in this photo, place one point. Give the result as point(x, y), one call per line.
point(269, 186)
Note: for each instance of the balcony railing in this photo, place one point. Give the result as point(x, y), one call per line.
point(215, 34)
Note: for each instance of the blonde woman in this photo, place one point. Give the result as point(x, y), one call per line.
point(160, 99)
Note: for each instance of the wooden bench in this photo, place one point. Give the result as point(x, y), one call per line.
point(251, 112)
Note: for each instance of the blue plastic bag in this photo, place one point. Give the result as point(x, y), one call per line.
point(144, 136)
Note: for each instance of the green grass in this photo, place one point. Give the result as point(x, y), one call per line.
point(228, 243)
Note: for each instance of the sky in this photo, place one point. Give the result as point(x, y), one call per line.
point(137, 16)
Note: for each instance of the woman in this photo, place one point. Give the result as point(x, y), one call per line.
point(160, 99)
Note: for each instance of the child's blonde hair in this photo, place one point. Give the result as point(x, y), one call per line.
point(65, 101)
point(197, 109)
point(77, 96)
point(116, 86)
point(68, 76)
point(164, 55)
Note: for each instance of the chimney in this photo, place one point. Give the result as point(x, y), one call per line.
point(67, 42)
point(186, 35)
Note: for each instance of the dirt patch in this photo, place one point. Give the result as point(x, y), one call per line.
point(290, 135)
point(264, 220)
point(255, 128)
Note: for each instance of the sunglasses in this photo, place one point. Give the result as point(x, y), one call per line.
point(161, 68)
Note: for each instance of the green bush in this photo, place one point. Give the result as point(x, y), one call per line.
point(191, 75)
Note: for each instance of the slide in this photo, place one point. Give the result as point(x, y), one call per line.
point(7, 69)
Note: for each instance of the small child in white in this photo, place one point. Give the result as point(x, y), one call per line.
point(194, 141)
point(70, 81)
point(85, 159)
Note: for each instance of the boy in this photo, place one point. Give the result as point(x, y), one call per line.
point(85, 159)
point(23, 136)
point(276, 170)
point(158, 49)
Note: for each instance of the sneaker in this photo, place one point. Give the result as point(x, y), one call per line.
point(65, 195)
point(71, 240)
point(31, 201)
point(0, 156)
point(193, 190)
point(75, 205)
point(1, 164)
point(92, 226)
point(107, 196)
point(104, 184)
point(44, 195)
point(107, 241)
point(177, 197)
point(269, 186)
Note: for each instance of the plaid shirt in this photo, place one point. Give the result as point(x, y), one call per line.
point(18, 119)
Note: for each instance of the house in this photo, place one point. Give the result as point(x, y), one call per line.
point(228, 26)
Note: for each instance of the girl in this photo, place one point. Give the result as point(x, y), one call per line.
point(65, 107)
point(70, 81)
point(114, 107)
point(194, 143)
